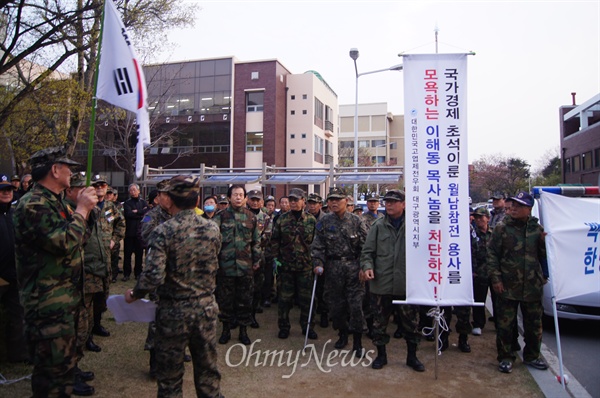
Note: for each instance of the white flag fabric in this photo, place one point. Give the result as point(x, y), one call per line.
point(121, 79)
point(572, 243)
point(438, 245)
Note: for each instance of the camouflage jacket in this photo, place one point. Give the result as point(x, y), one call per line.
point(370, 218)
point(182, 259)
point(497, 217)
point(151, 220)
point(49, 253)
point(384, 252)
point(338, 238)
point(291, 241)
point(480, 240)
point(240, 249)
point(514, 254)
point(109, 225)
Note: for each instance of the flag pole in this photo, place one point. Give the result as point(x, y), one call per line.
point(88, 174)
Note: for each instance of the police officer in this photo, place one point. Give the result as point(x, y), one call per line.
point(336, 250)
point(292, 236)
point(181, 265)
point(49, 241)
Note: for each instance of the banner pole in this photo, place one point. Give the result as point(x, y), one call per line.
point(437, 340)
point(88, 174)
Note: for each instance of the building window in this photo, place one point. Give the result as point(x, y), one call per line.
point(575, 164)
point(597, 157)
point(292, 151)
point(293, 97)
point(254, 142)
point(346, 144)
point(292, 136)
point(363, 144)
point(304, 111)
point(586, 161)
point(293, 112)
point(378, 159)
point(304, 151)
point(255, 101)
point(254, 76)
point(303, 135)
point(319, 144)
point(377, 143)
point(304, 96)
point(568, 165)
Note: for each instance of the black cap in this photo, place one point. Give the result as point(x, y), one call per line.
point(5, 182)
point(523, 198)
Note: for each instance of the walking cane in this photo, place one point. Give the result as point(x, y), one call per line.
point(312, 300)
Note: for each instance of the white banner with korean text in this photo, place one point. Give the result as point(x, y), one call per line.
point(438, 248)
point(573, 226)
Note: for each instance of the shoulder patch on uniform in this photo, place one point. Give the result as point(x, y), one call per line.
point(146, 218)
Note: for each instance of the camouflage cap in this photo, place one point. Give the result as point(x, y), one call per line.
point(358, 209)
point(49, 156)
point(313, 197)
point(99, 179)
point(255, 194)
point(297, 193)
point(222, 198)
point(15, 178)
point(270, 198)
point(523, 198)
point(336, 193)
point(109, 189)
point(497, 195)
point(78, 180)
point(162, 185)
point(481, 211)
point(5, 183)
point(394, 194)
point(183, 186)
point(374, 196)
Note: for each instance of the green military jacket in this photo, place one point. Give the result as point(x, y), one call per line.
point(515, 251)
point(240, 249)
point(181, 263)
point(109, 225)
point(49, 242)
point(291, 240)
point(384, 252)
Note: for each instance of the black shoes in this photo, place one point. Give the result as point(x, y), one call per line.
point(357, 345)
point(411, 358)
point(398, 332)
point(84, 376)
point(243, 337)
point(125, 278)
point(537, 363)
point(312, 335)
point(505, 366)
point(463, 343)
point(225, 334)
point(100, 330)
point(81, 388)
point(114, 280)
point(342, 341)
point(324, 320)
point(91, 346)
point(266, 304)
point(254, 324)
point(283, 333)
point(381, 359)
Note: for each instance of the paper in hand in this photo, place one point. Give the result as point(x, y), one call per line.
point(139, 311)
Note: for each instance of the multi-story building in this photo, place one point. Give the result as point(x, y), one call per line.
point(580, 142)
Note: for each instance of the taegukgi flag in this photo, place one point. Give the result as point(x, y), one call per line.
point(438, 239)
point(121, 79)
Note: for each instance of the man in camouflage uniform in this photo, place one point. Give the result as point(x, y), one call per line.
point(369, 217)
point(314, 206)
point(265, 227)
point(49, 241)
point(239, 258)
point(181, 265)
point(222, 202)
point(515, 252)
point(267, 290)
point(115, 255)
point(336, 249)
point(383, 261)
point(481, 235)
point(372, 205)
point(292, 236)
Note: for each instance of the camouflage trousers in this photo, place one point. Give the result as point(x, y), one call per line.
point(382, 308)
point(463, 318)
point(344, 294)
point(234, 295)
point(294, 284)
point(54, 361)
point(181, 323)
point(114, 260)
point(321, 303)
point(506, 323)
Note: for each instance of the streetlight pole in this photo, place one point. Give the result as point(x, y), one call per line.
point(354, 55)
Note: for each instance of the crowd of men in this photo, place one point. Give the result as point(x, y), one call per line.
point(225, 258)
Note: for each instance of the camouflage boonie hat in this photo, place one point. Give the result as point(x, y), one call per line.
point(313, 197)
point(49, 156)
point(270, 198)
point(255, 194)
point(5, 183)
point(182, 186)
point(162, 186)
point(481, 211)
point(394, 194)
point(297, 193)
point(336, 193)
point(78, 180)
point(222, 199)
point(373, 197)
point(98, 179)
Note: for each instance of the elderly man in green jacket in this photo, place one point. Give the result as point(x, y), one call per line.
point(383, 262)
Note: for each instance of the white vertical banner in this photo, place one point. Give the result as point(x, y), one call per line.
point(438, 247)
point(121, 79)
point(572, 244)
